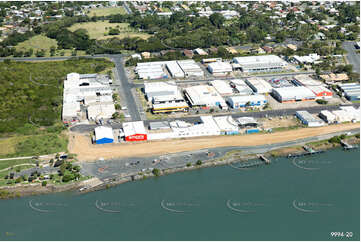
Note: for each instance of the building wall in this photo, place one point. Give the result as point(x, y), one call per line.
point(104, 141)
point(136, 137)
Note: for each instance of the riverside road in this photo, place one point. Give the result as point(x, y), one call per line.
point(106, 170)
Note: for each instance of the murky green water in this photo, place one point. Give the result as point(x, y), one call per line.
point(304, 199)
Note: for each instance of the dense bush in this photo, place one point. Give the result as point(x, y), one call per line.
point(31, 93)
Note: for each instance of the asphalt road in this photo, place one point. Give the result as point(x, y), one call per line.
point(125, 88)
point(352, 57)
point(127, 8)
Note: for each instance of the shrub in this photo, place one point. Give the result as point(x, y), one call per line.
point(44, 183)
point(199, 162)
point(156, 172)
point(335, 140)
point(189, 164)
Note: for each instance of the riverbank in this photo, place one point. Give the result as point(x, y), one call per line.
point(232, 156)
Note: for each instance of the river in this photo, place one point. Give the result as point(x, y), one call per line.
point(302, 199)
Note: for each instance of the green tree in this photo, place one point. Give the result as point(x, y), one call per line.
point(199, 162)
point(156, 172)
point(44, 183)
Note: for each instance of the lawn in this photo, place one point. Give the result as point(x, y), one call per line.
point(39, 42)
point(99, 30)
point(106, 11)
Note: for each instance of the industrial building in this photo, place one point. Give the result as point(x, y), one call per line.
point(355, 113)
point(190, 68)
point(317, 87)
point(245, 101)
point(241, 87)
point(327, 116)
point(307, 59)
point(134, 131)
point(227, 125)
point(343, 116)
point(204, 96)
point(165, 97)
point(308, 119)
point(222, 87)
point(262, 63)
point(103, 135)
point(156, 89)
point(161, 125)
point(92, 91)
point(247, 122)
point(259, 85)
point(293, 94)
point(351, 91)
point(220, 68)
point(174, 69)
point(150, 70)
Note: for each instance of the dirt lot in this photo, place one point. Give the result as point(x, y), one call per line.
point(287, 121)
point(81, 145)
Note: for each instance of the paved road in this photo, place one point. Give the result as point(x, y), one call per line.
point(352, 57)
point(125, 88)
point(127, 8)
point(86, 128)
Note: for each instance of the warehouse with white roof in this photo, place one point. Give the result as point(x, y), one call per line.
point(262, 63)
point(165, 97)
point(155, 89)
point(91, 89)
point(103, 135)
point(174, 69)
point(259, 85)
point(244, 101)
point(220, 68)
point(206, 96)
point(190, 68)
point(222, 87)
point(227, 125)
point(293, 94)
point(134, 131)
point(317, 87)
point(241, 87)
point(327, 116)
point(351, 90)
point(308, 119)
point(150, 70)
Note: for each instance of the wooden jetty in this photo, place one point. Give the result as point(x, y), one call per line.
point(347, 146)
point(265, 159)
point(309, 151)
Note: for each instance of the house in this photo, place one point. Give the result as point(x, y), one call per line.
point(188, 53)
point(146, 55)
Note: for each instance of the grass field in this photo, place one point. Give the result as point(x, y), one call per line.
point(39, 42)
point(106, 11)
point(99, 30)
point(32, 145)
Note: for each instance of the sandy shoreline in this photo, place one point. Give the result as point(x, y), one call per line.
point(81, 145)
